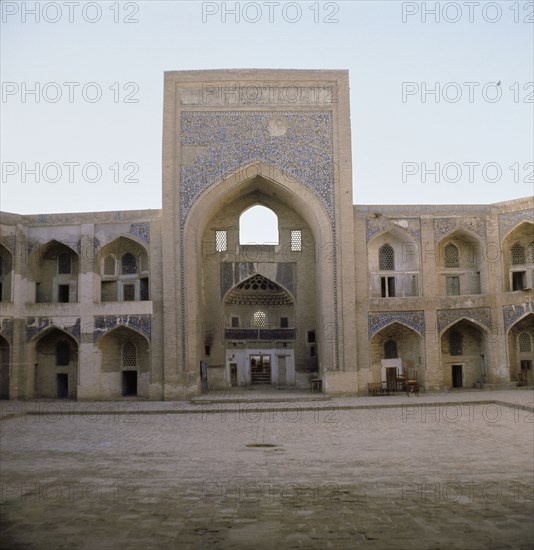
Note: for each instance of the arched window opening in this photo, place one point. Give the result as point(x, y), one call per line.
point(390, 349)
point(129, 355)
point(109, 266)
point(517, 252)
point(259, 319)
point(451, 254)
point(129, 264)
point(525, 342)
point(64, 263)
point(258, 225)
point(386, 258)
point(62, 353)
point(455, 343)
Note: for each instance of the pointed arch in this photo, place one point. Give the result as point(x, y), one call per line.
point(258, 224)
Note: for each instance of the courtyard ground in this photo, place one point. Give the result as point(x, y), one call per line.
point(253, 470)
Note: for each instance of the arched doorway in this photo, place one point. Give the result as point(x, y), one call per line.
point(520, 343)
point(260, 333)
point(396, 350)
point(124, 363)
point(464, 355)
point(56, 365)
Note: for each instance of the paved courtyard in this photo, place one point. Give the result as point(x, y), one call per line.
point(433, 475)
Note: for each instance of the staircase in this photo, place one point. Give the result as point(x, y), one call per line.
point(261, 378)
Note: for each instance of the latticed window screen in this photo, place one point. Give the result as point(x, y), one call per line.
point(64, 263)
point(129, 355)
point(259, 319)
point(386, 258)
point(530, 253)
point(452, 257)
point(390, 349)
point(129, 264)
point(517, 251)
point(525, 342)
point(221, 241)
point(455, 343)
point(109, 265)
point(296, 240)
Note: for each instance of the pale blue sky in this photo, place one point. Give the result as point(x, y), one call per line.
point(370, 39)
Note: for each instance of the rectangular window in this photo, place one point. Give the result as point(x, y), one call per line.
point(518, 280)
point(143, 288)
point(387, 287)
point(284, 322)
point(296, 240)
point(453, 286)
point(63, 294)
point(128, 293)
point(221, 241)
point(311, 337)
point(235, 322)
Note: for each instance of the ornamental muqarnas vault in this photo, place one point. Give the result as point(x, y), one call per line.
point(162, 304)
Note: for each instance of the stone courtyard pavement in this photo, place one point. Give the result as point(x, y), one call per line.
point(442, 471)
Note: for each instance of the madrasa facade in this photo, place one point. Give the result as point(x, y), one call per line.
point(167, 304)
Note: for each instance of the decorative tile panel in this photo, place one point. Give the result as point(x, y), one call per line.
point(141, 230)
point(140, 323)
point(514, 312)
point(443, 226)
point(6, 329)
point(447, 317)
point(37, 325)
point(511, 219)
point(381, 224)
point(300, 144)
point(412, 319)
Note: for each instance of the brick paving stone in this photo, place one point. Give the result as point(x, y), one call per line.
point(351, 478)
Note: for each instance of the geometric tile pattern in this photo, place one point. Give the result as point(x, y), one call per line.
point(141, 230)
point(412, 319)
point(442, 226)
point(36, 325)
point(6, 328)
point(300, 144)
point(514, 312)
point(447, 317)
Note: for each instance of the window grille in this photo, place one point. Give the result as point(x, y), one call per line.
point(530, 253)
point(221, 241)
point(451, 254)
point(525, 342)
point(453, 286)
point(64, 263)
point(517, 251)
point(62, 353)
point(296, 240)
point(109, 265)
point(390, 349)
point(386, 258)
point(129, 355)
point(129, 264)
point(259, 319)
point(455, 343)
